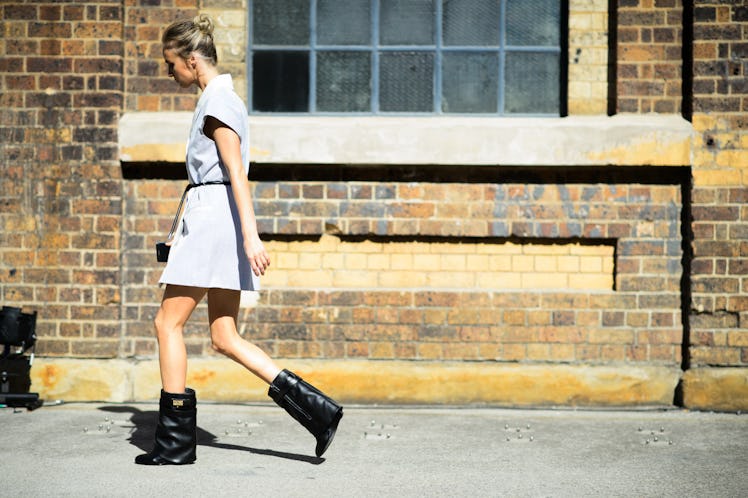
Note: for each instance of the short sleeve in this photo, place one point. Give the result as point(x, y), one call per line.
point(229, 110)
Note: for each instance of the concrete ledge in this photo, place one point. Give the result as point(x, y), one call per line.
point(723, 389)
point(367, 382)
point(626, 139)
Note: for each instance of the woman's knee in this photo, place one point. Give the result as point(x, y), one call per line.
point(163, 327)
point(222, 341)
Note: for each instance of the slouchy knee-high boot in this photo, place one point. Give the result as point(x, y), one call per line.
point(176, 433)
point(312, 409)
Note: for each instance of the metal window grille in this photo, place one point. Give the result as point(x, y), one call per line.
point(443, 57)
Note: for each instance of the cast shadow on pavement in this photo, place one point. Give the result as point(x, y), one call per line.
point(144, 430)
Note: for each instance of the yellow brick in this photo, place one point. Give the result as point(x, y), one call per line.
point(310, 279)
point(426, 262)
point(537, 352)
point(599, 22)
point(591, 264)
point(586, 107)
point(580, 22)
point(590, 250)
point(722, 177)
point(703, 122)
point(401, 261)
point(353, 279)
point(580, 90)
point(381, 350)
point(277, 278)
point(451, 248)
point(539, 318)
point(454, 280)
point(499, 280)
point(561, 352)
point(608, 266)
point(355, 261)
point(367, 246)
point(287, 260)
point(274, 246)
point(430, 351)
point(329, 243)
point(477, 262)
point(538, 280)
point(546, 263)
point(737, 338)
point(378, 262)
point(543, 249)
point(500, 263)
point(333, 261)
point(402, 279)
point(452, 262)
point(514, 352)
point(590, 281)
point(501, 249)
point(732, 158)
point(568, 263)
point(310, 261)
point(523, 263)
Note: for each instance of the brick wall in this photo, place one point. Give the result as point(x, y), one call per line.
point(719, 313)
point(148, 87)
point(60, 190)
point(320, 317)
point(649, 56)
point(76, 238)
point(588, 56)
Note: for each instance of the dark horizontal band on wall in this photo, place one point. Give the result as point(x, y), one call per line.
point(264, 172)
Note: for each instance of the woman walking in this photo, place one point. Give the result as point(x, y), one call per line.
point(216, 252)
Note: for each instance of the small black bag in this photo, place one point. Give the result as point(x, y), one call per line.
point(162, 252)
point(162, 248)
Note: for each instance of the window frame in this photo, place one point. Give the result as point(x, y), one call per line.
point(438, 49)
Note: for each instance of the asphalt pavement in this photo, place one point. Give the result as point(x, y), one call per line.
point(87, 450)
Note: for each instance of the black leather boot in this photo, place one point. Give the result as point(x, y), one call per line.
point(176, 433)
point(312, 409)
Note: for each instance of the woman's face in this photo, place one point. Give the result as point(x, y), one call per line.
point(179, 68)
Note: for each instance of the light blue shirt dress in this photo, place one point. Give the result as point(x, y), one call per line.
point(208, 247)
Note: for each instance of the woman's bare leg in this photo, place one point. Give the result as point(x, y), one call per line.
point(223, 309)
point(177, 305)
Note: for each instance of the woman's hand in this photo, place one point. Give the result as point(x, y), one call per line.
point(256, 254)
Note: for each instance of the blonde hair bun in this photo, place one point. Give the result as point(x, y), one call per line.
point(187, 36)
point(204, 23)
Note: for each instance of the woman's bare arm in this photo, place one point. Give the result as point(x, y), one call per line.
point(229, 148)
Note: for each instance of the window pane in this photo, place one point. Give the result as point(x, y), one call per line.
point(406, 22)
point(280, 81)
point(470, 82)
point(406, 81)
point(280, 22)
point(343, 22)
point(343, 81)
point(533, 22)
point(532, 81)
point(470, 22)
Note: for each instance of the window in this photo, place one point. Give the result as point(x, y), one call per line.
point(490, 57)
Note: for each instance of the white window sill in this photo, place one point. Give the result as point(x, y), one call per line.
point(627, 139)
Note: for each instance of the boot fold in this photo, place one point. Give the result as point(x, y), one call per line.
point(176, 432)
point(315, 411)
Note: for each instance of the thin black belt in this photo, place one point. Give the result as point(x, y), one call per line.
point(217, 182)
point(189, 187)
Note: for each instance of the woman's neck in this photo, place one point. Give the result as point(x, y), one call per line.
point(204, 74)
